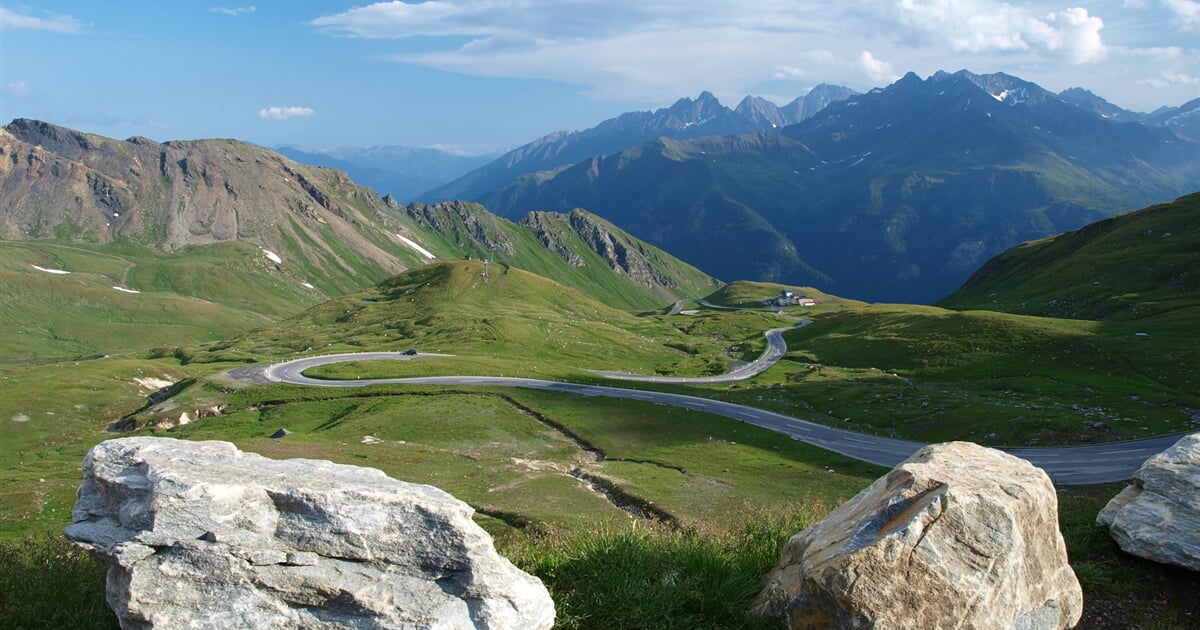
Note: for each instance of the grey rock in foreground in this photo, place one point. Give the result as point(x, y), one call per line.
point(202, 535)
point(1158, 516)
point(956, 536)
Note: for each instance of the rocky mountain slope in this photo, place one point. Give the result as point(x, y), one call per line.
point(687, 118)
point(316, 228)
point(56, 183)
point(578, 249)
point(869, 198)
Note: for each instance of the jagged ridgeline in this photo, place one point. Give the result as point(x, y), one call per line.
point(69, 186)
point(119, 245)
point(867, 199)
point(577, 249)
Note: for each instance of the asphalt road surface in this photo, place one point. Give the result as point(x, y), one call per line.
point(776, 348)
point(1097, 463)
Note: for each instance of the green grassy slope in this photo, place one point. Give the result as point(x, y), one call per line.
point(744, 293)
point(510, 321)
point(197, 295)
point(1143, 265)
point(933, 374)
point(576, 248)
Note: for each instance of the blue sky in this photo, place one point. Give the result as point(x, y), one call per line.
point(499, 73)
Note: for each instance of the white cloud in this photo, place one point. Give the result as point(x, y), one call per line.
point(64, 24)
point(232, 11)
point(987, 26)
point(618, 49)
point(1186, 13)
point(656, 50)
point(281, 113)
point(18, 89)
point(879, 71)
point(1166, 79)
point(812, 60)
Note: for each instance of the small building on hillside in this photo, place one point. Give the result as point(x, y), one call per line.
point(786, 297)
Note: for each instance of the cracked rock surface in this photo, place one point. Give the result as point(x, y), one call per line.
point(1158, 516)
point(956, 536)
point(203, 535)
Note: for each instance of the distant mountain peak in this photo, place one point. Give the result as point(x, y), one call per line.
point(684, 119)
point(1085, 99)
point(761, 111)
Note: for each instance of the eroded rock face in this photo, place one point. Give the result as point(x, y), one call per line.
point(1158, 517)
point(202, 535)
point(956, 536)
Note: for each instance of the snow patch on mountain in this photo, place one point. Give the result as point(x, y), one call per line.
point(413, 244)
point(1012, 97)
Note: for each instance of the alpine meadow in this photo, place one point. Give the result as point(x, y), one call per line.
point(915, 351)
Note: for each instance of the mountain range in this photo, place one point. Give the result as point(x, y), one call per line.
point(893, 195)
point(687, 118)
point(401, 172)
point(232, 224)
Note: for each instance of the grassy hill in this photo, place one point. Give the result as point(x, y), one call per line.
point(934, 374)
point(504, 320)
point(1085, 337)
point(118, 246)
point(575, 248)
point(1143, 265)
point(747, 294)
point(127, 298)
point(557, 478)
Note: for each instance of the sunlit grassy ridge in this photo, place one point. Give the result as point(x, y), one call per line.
point(747, 294)
point(1140, 265)
point(198, 295)
point(931, 374)
point(509, 318)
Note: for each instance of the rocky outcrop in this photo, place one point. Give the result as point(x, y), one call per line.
point(468, 225)
point(956, 536)
point(624, 254)
point(63, 184)
point(202, 535)
point(547, 230)
point(1158, 517)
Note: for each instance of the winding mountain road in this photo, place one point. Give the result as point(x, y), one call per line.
point(1099, 463)
point(776, 348)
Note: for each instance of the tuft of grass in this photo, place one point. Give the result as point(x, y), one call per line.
point(48, 582)
point(653, 576)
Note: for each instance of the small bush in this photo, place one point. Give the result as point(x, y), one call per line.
point(48, 582)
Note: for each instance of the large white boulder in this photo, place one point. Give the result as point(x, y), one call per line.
point(1158, 516)
point(202, 535)
point(956, 536)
